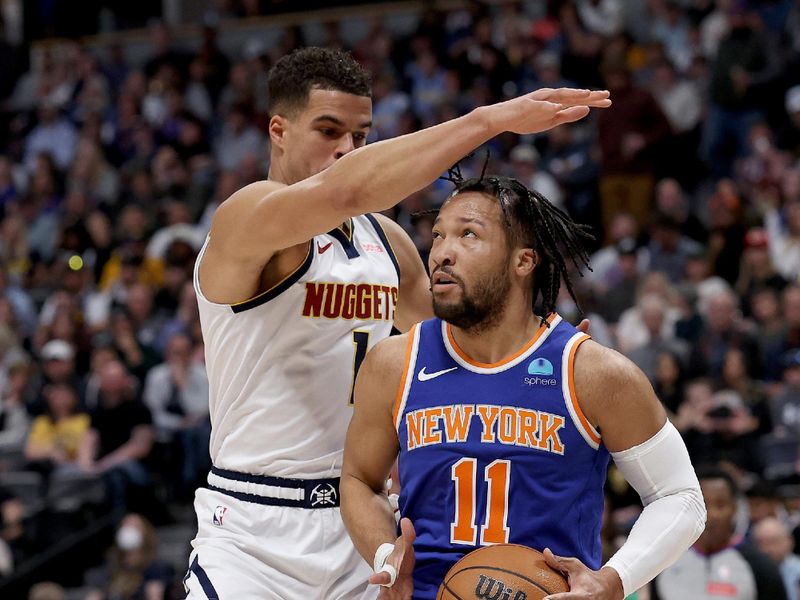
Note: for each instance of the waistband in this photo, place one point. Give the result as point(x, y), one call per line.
point(275, 491)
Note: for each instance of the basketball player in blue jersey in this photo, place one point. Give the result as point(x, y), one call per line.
point(296, 281)
point(505, 420)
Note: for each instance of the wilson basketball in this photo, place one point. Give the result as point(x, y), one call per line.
point(504, 572)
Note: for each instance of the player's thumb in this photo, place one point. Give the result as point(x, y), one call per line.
point(407, 530)
point(558, 563)
point(380, 578)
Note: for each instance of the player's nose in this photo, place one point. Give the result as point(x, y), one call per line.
point(443, 253)
point(345, 146)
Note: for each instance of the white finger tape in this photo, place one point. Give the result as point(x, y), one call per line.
point(387, 568)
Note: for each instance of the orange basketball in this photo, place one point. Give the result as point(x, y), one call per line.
point(504, 572)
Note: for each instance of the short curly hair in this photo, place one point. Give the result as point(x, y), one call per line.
point(297, 73)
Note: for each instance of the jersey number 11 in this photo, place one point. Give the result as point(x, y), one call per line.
point(496, 476)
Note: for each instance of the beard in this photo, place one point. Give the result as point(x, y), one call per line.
point(480, 308)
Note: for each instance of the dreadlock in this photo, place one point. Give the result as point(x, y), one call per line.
point(534, 222)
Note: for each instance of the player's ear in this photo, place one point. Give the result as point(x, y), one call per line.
point(277, 130)
point(526, 261)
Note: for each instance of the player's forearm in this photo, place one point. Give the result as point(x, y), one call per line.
point(378, 176)
point(367, 515)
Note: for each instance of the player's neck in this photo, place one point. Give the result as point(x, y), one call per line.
point(503, 338)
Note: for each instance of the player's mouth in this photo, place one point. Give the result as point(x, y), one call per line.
point(442, 280)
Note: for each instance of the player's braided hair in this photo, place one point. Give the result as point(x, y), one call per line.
point(534, 222)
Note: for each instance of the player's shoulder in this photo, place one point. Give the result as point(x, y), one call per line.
point(253, 192)
point(600, 368)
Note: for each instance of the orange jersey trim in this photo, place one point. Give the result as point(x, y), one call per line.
point(412, 334)
point(573, 397)
point(505, 361)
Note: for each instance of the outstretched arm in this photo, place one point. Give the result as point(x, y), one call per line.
point(266, 217)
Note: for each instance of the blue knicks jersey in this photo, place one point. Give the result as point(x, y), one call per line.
point(496, 453)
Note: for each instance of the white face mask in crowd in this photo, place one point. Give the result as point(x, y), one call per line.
point(129, 538)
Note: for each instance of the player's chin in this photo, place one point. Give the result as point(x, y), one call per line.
point(445, 290)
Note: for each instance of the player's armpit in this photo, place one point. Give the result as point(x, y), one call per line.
point(616, 397)
point(414, 296)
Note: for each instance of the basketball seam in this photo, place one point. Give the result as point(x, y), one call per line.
point(456, 596)
point(531, 581)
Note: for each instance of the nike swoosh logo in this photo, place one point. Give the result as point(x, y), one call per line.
point(423, 376)
point(322, 249)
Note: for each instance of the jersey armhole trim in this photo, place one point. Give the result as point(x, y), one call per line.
point(385, 239)
point(408, 375)
point(280, 287)
point(586, 429)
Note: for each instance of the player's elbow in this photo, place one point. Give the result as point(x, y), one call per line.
point(696, 507)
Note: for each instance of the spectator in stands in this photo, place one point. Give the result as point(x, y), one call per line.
point(779, 344)
point(525, 167)
point(239, 139)
point(668, 381)
point(14, 420)
point(56, 436)
point(16, 533)
point(46, 590)
point(741, 62)
point(58, 367)
point(670, 248)
point(132, 570)
point(756, 271)
point(571, 159)
point(120, 438)
point(652, 310)
point(785, 404)
point(737, 570)
point(54, 135)
point(671, 201)
point(723, 329)
point(621, 281)
point(176, 392)
point(775, 540)
point(629, 134)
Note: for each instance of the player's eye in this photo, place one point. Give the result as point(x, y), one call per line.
point(469, 233)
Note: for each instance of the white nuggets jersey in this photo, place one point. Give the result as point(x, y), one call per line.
point(281, 365)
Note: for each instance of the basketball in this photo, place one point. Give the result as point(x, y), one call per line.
point(503, 571)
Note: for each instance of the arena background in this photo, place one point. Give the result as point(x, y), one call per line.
point(124, 124)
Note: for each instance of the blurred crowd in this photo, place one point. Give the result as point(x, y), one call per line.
point(111, 169)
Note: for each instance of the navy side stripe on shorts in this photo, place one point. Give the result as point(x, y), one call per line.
point(205, 582)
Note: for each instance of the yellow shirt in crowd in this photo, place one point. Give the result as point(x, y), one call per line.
point(67, 433)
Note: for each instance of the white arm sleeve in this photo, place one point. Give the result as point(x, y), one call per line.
point(674, 513)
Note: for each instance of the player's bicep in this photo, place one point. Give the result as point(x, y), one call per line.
point(616, 397)
point(266, 217)
point(371, 445)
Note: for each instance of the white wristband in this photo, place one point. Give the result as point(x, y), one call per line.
point(379, 564)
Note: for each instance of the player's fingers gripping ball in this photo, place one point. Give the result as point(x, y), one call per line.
point(502, 571)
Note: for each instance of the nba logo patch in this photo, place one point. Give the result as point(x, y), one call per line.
point(540, 366)
point(219, 515)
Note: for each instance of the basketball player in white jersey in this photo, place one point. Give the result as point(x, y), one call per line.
point(295, 282)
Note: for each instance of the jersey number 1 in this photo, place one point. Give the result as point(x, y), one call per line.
point(361, 343)
point(495, 530)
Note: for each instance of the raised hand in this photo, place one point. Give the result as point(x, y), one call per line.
point(402, 559)
point(584, 584)
point(544, 109)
